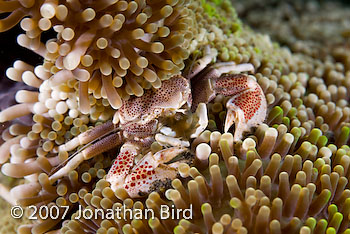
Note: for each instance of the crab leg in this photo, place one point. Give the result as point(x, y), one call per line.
point(87, 136)
point(200, 64)
point(227, 67)
point(97, 148)
point(162, 156)
point(169, 140)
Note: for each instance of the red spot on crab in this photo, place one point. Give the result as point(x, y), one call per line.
point(121, 165)
point(249, 102)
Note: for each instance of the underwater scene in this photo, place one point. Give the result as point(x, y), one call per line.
point(174, 116)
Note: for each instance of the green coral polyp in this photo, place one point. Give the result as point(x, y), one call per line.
point(211, 9)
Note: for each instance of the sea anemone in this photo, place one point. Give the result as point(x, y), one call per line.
point(113, 48)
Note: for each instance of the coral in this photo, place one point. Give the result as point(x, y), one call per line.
point(8, 223)
point(305, 27)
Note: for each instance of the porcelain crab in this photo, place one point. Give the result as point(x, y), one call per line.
point(138, 123)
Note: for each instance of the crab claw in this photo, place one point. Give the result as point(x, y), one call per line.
point(122, 165)
point(231, 117)
point(202, 114)
point(247, 107)
point(147, 175)
point(150, 173)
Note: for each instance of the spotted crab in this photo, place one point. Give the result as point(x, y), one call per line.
point(141, 121)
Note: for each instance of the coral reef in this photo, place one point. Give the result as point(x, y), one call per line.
point(289, 175)
point(310, 28)
point(8, 223)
